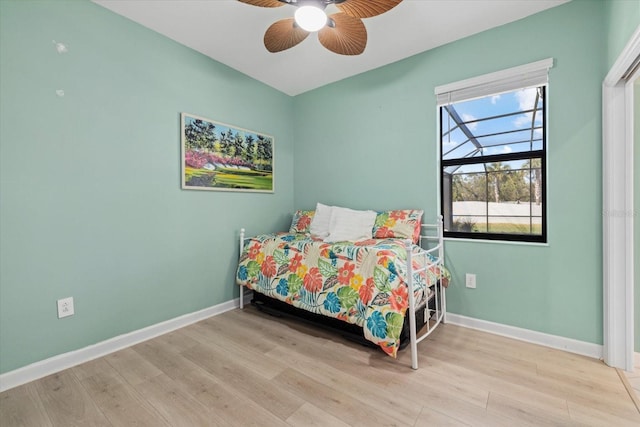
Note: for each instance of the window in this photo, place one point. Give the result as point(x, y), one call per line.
point(493, 155)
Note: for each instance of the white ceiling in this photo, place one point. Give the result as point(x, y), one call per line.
point(231, 32)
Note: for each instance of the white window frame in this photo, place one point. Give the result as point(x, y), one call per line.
point(534, 74)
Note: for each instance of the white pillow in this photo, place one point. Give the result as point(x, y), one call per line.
point(350, 225)
point(320, 222)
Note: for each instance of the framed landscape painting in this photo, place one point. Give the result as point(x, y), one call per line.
point(217, 156)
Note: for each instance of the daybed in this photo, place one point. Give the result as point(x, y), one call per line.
point(362, 282)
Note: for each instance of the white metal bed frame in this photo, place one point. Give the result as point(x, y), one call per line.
point(433, 316)
point(436, 315)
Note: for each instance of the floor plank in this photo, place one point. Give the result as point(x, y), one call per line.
point(176, 405)
point(589, 416)
point(429, 418)
point(633, 380)
point(117, 399)
point(67, 403)
point(336, 402)
point(466, 378)
point(237, 377)
point(21, 406)
point(528, 413)
point(132, 366)
point(311, 416)
point(351, 384)
point(232, 407)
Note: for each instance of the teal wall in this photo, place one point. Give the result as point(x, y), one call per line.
point(90, 198)
point(622, 18)
point(370, 142)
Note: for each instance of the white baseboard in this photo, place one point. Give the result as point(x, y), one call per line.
point(63, 361)
point(553, 341)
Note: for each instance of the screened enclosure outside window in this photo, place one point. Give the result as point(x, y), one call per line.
point(493, 164)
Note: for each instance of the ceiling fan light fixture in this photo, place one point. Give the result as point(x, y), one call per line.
point(342, 32)
point(310, 18)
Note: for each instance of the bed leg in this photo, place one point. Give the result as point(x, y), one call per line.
point(443, 304)
point(413, 344)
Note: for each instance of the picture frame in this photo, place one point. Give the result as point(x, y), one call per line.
point(222, 157)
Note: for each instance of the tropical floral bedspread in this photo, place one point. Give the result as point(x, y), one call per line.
point(362, 283)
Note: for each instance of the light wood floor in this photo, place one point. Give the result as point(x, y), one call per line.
point(244, 368)
point(634, 377)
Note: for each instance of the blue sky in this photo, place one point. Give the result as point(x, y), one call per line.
point(520, 100)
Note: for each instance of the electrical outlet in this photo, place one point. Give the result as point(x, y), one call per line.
point(65, 307)
point(470, 280)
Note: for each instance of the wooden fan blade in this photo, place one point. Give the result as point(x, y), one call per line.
point(367, 8)
point(283, 34)
point(263, 3)
point(347, 37)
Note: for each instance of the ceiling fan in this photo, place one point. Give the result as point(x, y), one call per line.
point(342, 32)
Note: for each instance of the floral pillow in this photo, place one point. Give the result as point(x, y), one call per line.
point(301, 222)
point(399, 224)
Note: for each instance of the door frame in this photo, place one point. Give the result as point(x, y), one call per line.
point(618, 212)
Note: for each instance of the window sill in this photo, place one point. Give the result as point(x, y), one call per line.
point(499, 242)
